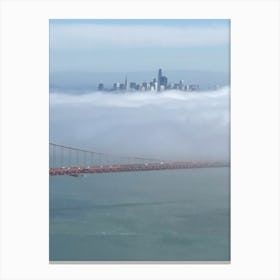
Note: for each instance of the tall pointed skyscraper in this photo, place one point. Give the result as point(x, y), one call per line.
point(126, 83)
point(162, 81)
point(159, 78)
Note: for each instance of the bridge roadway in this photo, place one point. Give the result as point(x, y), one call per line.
point(76, 171)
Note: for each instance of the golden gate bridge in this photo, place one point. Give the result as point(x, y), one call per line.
point(66, 160)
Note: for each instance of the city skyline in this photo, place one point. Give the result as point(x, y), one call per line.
point(159, 84)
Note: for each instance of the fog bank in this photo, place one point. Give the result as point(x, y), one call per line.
point(171, 125)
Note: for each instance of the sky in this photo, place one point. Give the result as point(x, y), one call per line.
point(125, 46)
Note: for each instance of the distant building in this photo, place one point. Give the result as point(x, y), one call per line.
point(126, 85)
point(101, 87)
point(133, 85)
point(193, 87)
point(162, 81)
point(116, 86)
point(156, 86)
point(181, 84)
point(159, 75)
point(144, 85)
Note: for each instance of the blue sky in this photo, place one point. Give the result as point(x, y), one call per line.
point(139, 45)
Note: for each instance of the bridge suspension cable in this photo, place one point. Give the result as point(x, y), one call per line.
point(66, 156)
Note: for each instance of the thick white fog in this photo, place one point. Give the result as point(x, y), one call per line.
point(170, 125)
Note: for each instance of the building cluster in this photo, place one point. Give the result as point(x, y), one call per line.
point(156, 85)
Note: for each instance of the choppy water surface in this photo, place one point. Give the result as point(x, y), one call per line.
point(176, 215)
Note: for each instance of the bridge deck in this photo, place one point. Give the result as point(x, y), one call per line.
point(75, 171)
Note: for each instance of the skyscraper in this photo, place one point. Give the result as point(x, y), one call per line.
point(159, 74)
point(159, 79)
point(162, 81)
point(101, 87)
point(126, 84)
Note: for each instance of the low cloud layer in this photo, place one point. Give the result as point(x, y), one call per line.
point(87, 36)
point(171, 125)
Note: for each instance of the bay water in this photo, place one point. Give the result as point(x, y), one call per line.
point(166, 215)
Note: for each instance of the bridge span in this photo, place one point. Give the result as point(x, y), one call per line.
point(76, 171)
point(66, 160)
